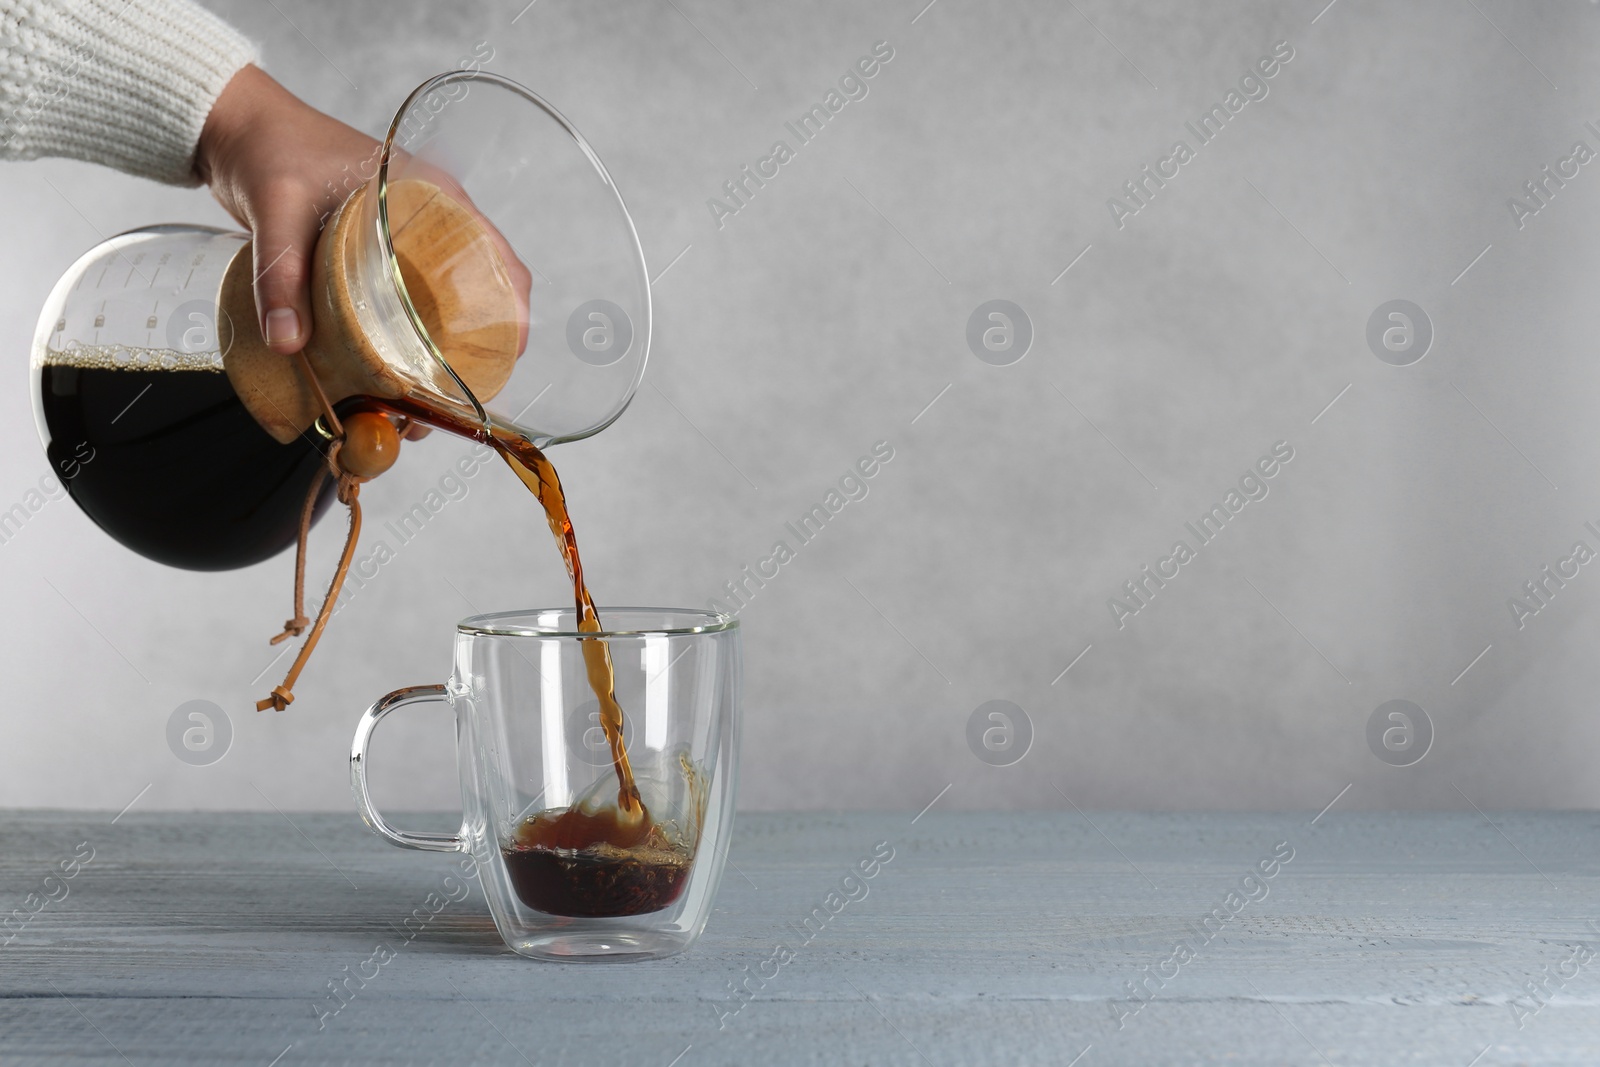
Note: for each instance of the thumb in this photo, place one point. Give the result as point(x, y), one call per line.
point(283, 246)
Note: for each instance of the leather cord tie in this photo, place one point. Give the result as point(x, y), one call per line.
point(349, 491)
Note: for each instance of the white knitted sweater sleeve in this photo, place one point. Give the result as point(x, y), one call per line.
point(126, 83)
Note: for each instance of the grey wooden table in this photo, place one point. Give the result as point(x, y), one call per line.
point(1011, 939)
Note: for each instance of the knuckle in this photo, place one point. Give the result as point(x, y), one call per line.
point(284, 189)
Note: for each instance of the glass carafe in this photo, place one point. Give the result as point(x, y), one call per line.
point(483, 268)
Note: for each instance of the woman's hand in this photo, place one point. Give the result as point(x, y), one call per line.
point(280, 167)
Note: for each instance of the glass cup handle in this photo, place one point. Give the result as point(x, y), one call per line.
point(415, 694)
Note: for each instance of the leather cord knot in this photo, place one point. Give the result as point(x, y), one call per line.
point(292, 628)
point(348, 490)
point(281, 698)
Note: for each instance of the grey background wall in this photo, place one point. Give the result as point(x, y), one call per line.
point(1169, 354)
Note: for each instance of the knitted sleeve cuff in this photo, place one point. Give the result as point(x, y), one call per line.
point(125, 83)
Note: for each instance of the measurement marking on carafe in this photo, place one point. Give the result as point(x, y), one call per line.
point(96, 629)
point(897, 630)
point(931, 803)
point(669, 266)
point(930, 404)
point(132, 402)
point(486, 1019)
point(1073, 664)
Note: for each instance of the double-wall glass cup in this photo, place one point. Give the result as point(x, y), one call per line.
point(529, 742)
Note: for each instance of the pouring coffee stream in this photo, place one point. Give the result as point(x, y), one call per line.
point(459, 286)
point(536, 472)
point(211, 452)
point(574, 829)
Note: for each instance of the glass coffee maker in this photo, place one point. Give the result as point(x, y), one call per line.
point(486, 277)
point(486, 280)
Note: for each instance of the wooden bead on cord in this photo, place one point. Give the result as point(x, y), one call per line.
point(371, 444)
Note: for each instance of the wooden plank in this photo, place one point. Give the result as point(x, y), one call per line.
point(988, 938)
